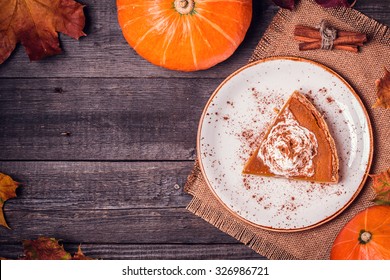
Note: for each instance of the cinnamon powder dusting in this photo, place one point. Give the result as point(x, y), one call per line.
point(329, 99)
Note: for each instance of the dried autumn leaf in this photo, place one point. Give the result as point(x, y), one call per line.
point(381, 186)
point(44, 248)
point(7, 191)
point(286, 4)
point(383, 91)
point(336, 3)
point(79, 255)
point(35, 24)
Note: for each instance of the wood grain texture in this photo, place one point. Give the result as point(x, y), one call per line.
point(143, 225)
point(88, 186)
point(101, 119)
point(104, 202)
point(152, 251)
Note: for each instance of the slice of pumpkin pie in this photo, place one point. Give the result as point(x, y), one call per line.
point(298, 146)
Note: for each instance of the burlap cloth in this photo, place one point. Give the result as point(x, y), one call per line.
point(360, 70)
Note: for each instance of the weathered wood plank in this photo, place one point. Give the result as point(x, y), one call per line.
point(377, 9)
point(86, 186)
point(101, 119)
point(105, 53)
point(139, 226)
point(150, 251)
point(101, 202)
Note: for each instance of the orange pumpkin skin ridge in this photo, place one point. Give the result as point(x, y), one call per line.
point(376, 221)
point(185, 42)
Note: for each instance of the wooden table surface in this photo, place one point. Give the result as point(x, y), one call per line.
point(102, 142)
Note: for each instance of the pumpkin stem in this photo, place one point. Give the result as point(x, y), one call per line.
point(364, 237)
point(184, 7)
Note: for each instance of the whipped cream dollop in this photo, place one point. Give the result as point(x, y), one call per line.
point(289, 148)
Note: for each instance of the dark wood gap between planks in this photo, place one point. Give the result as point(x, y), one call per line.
point(107, 209)
point(131, 243)
point(148, 251)
point(112, 78)
point(102, 160)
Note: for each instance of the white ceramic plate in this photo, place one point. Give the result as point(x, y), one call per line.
point(238, 114)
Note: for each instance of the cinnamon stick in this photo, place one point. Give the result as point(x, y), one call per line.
point(351, 40)
point(346, 40)
point(311, 39)
point(349, 48)
point(317, 45)
point(306, 39)
point(310, 32)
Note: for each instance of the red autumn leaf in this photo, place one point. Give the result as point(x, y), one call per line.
point(287, 4)
point(7, 191)
point(44, 248)
point(383, 91)
point(381, 186)
point(336, 3)
point(35, 24)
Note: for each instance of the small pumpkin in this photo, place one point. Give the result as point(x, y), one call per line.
point(365, 237)
point(186, 35)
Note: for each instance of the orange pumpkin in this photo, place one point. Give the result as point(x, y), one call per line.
point(365, 237)
point(184, 35)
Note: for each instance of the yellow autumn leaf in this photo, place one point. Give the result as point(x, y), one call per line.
point(7, 191)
